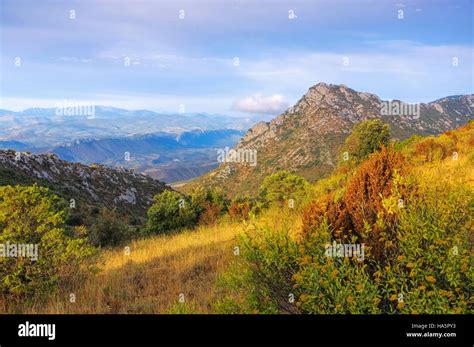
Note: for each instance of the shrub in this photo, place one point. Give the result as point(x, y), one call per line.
point(430, 268)
point(209, 204)
point(282, 186)
point(209, 213)
point(330, 285)
point(378, 178)
point(109, 229)
point(170, 211)
point(239, 210)
point(33, 215)
point(436, 149)
point(369, 205)
point(327, 208)
point(367, 137)
point(261, 281)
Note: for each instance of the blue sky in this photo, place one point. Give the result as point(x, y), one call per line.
point(190, 61)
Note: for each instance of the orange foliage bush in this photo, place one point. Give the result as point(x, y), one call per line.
point(432, 150)
point(362, 202)
point(335, 212)
point(372, 183)
point(210, 214)
point(239, 210)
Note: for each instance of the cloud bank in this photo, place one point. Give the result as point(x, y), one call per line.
point(260, 104)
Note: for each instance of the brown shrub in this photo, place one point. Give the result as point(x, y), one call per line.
point(239, 210)
point(334, 211)
point(314, 214)
point(210, 214)
point(362, 202)
point(373, 182)
point(431, 150)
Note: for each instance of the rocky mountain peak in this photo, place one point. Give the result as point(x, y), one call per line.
point(337, 96)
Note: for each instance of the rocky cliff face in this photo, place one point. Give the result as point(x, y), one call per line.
point(306, 138)
point(94, 185)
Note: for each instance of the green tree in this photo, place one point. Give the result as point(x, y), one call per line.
point(209, 203)
point(282, 186)
point(170, 211)
point(108, 229)
point(367, 137)
point(34, 217)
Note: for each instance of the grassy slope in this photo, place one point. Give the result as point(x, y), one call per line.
point(158, 270)
point(153, 276)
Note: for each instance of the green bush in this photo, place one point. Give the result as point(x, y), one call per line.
point(424, 265)
point(215, 196)
point(279, 188)
point(109, 229)
point(33, 215)
point(367, 137)
point(170, 211)
point(209, 204)
point(431, 266)
point(330, 285)
point(260, 281)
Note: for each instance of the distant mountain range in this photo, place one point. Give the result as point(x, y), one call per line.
point(165, 156)
point(45, 127)
point(306, 138)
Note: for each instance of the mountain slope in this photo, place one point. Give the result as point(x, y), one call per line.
point(306, 138)
point(93, 186)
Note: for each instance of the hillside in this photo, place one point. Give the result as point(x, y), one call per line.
point(306, 138)
point(89, 186)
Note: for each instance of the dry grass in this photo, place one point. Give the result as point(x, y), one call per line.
point(152, 277)
point(158, 270)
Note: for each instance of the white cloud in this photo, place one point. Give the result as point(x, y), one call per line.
point(262, 104)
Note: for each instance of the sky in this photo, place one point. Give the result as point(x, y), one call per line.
point(235, 57)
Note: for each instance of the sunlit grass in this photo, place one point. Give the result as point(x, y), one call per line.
point(154, 275)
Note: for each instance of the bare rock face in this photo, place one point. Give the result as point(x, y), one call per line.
point(257, 130)
point(306, 138)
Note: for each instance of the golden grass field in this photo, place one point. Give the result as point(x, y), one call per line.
point(151, 278)
point(159, 270)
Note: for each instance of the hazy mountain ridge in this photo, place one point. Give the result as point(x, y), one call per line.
point(164, 156)
point(43, 127)
point(306, 138)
